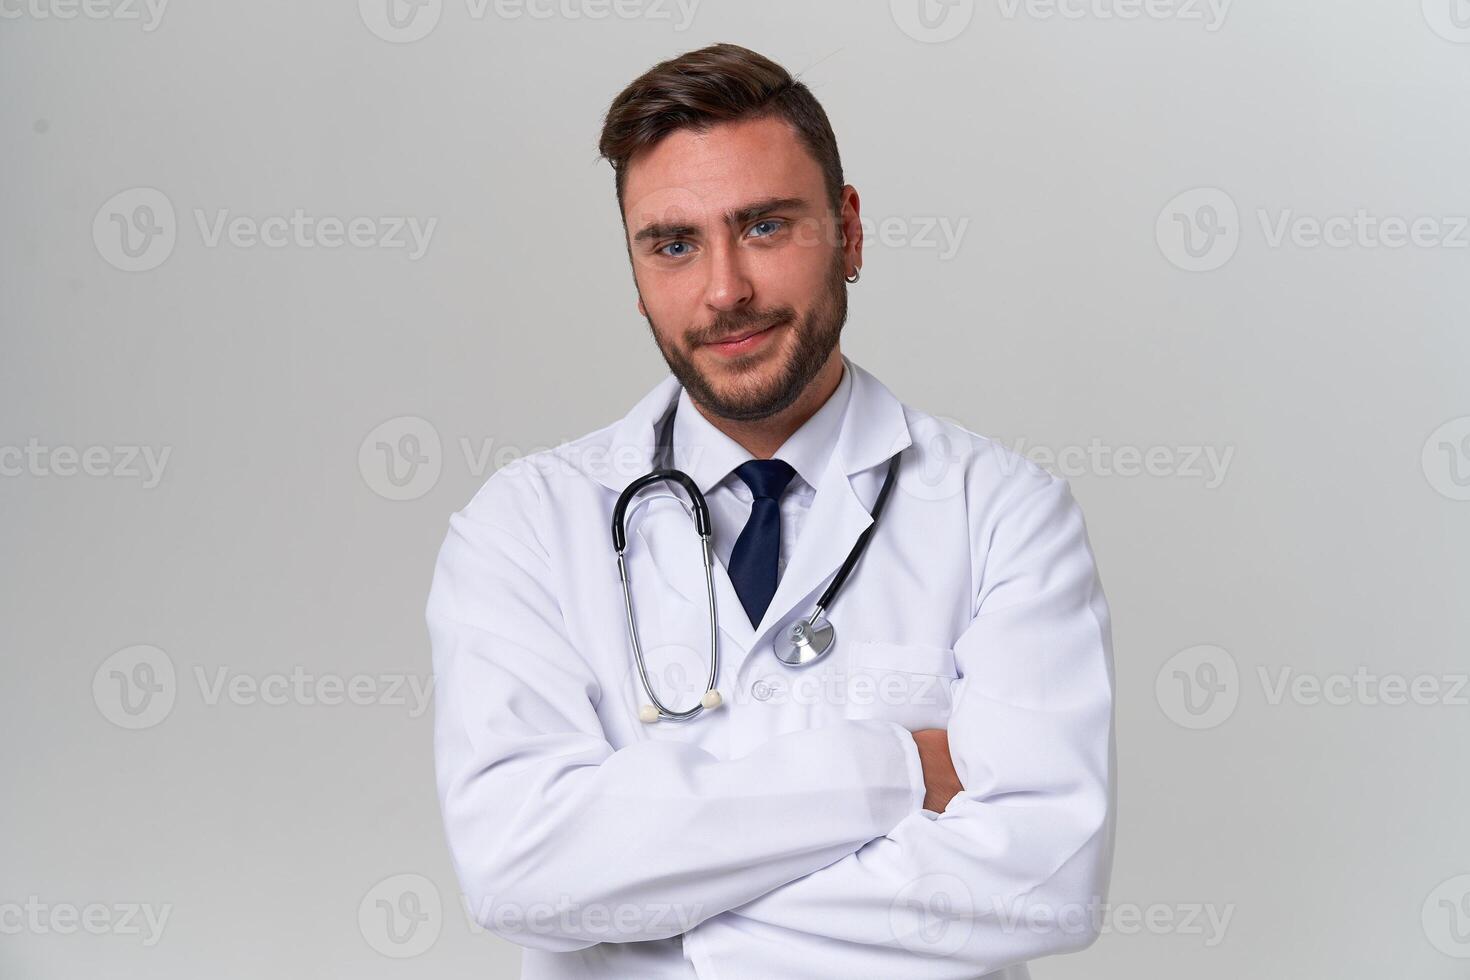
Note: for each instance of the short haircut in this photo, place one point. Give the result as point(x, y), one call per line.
point(720, 83)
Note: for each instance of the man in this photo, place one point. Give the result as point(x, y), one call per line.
point(930, 799)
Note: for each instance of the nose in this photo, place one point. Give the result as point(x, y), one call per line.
point(729, 286)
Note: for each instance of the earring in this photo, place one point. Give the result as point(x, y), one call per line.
point(856, 275)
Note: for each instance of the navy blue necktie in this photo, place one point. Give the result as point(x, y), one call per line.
point(753, 560)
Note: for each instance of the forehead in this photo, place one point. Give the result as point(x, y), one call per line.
point(696, 174)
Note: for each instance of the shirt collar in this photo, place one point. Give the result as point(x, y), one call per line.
point(708, 455)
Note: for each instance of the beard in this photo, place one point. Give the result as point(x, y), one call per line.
point(816, 333)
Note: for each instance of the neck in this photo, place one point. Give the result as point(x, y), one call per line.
point(763, 437)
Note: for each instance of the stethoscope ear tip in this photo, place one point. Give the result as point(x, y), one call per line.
point(711, 699)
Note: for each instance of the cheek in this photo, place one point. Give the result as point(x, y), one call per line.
point(801, 266)
point(668, 297)
point(798, 287)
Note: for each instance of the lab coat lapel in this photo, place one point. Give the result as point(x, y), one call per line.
point(873, 429)
point(830, 530)
point(669, 536)
point(674, 547)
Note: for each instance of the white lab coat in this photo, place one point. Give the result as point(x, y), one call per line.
point(781, 835)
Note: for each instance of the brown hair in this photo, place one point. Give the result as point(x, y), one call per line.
point(720, 83)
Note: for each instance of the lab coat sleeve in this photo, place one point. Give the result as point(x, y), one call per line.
point(559, 842)
point(1017, 866)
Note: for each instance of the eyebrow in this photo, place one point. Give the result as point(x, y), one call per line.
point(734, 217)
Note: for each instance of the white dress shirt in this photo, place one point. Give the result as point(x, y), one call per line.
point(710, 457)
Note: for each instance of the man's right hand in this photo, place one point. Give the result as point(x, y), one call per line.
point(941, 782)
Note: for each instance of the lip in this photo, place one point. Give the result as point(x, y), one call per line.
point(745, 343)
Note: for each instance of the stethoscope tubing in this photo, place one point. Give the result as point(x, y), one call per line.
point(703, 527)
point(666, 713)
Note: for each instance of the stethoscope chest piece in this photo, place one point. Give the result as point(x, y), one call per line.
point(805, 642)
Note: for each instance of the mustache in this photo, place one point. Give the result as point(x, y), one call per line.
point(738, 324)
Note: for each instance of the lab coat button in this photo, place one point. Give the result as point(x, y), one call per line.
point(765, 688)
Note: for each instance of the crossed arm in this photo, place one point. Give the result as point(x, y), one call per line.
point(542, 813)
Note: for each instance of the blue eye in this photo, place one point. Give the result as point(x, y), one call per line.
point(664, 250)
point(774, 223)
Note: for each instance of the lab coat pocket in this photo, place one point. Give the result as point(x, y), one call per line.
point(908, 683)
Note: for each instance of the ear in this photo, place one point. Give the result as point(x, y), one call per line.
point(850, 221)
point(642, 310)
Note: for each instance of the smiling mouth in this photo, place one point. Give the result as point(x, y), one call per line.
point(737, 338)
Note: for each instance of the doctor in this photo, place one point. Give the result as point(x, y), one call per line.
point(930, 798)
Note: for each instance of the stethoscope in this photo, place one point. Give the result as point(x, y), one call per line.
point(804, 642)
